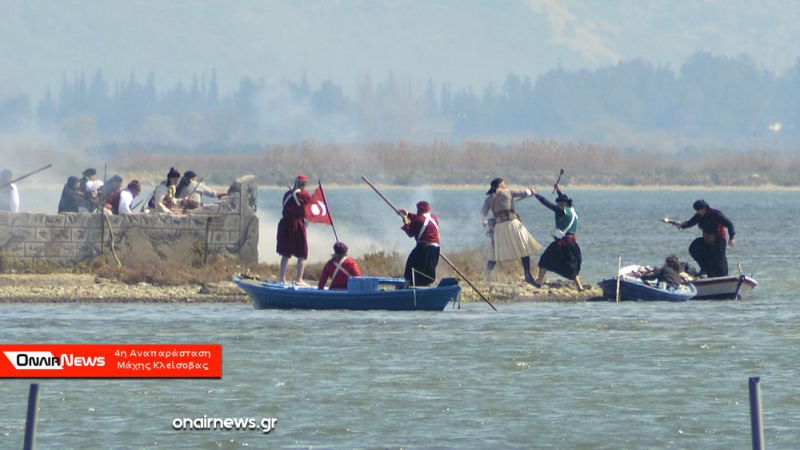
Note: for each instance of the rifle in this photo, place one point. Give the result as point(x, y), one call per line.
point(185, 199)
point(671, 222)
point(25, 176)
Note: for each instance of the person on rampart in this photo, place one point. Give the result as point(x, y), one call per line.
point(9, 195)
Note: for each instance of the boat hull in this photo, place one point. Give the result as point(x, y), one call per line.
point(267, 295)
point(724, 288)
point(635, 289)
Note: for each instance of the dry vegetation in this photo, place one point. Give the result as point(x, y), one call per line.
point(470, 262)
point(476, 162)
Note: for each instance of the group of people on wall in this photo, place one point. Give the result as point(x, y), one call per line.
point(177, 194)
point(509, 239)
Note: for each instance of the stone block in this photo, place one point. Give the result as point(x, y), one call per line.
point(219, 237)
point(217, 222)
point(87, 234)
point(53, 234)
point(19, 220)
point(57, 220)
point(34, 249)
point(4, 219)
point(83, 220)
point(17, 234)
point(13, 249)
point(232, 222)
point(61, 249)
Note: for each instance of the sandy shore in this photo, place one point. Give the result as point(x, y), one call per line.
point(72, 288)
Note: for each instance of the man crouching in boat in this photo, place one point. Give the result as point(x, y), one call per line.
point(563, 255)
point(292, 238)
point(669, 274)
point(339, 268)
point(709, 250)
point(422, 261)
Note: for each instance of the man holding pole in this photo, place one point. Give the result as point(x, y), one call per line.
point(292, 238)
point(9, 195)
point(422, 261)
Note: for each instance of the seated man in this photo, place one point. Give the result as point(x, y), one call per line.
point(339, 269)
point(669, 274)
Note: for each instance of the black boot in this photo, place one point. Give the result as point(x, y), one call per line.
point(526, 266)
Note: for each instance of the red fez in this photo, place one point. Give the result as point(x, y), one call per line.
point(423, 207)
point(340, 248)
point(302, 178)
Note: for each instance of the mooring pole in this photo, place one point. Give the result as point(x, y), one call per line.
point(756, 417)
point(30, 420)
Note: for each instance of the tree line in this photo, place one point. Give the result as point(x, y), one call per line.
point(717, 100)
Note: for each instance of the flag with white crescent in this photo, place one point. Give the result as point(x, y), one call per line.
point(317, 208)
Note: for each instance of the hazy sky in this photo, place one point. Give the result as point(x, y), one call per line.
point(467, 42)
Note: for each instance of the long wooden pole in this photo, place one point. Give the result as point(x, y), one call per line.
point(558, 179)
point(444, 257)
point(29, 441)
point(25, 176)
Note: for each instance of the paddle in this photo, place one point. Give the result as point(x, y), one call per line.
point(445, 258)
point(25, 176)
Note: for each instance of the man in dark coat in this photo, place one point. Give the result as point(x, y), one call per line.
point(709, 250)
point(422, 261)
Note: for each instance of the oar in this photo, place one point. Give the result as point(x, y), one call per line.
point(558, 179)
point(445, 258)
point(25, 176)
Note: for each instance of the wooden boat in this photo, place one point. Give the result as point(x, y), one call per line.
point(732, 287)
point(363, 293)
point(632, 287)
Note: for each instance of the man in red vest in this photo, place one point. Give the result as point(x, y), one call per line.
point(339, 269)
point(292, 238)
point(424, 228)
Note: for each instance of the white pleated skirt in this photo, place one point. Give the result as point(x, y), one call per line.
point(512, 241)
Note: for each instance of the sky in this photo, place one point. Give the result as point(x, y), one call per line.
point(464, 42)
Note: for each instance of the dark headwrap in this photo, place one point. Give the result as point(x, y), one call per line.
point(71, 182)
point(134, 186)
point(700, 204)
point(173, 173)
point(116, 179)
point(562, 198)
point(494, 185)
point(340, 248)
point(423, 207)
point(89, 172)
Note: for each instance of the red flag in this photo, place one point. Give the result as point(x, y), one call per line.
point(317, 209)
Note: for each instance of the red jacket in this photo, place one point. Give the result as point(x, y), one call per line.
point(293, 204)
point(423, 227)
point(346, 269)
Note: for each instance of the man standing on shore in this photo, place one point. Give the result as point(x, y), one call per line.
point(563, 255)
point(709, 250)
point(292, 238)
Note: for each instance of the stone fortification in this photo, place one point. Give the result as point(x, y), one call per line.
point(228, 228)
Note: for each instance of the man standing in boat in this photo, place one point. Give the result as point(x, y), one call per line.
point(510, 239)
point(710, 250)
point(292, 238)
point(422, 261)
point(339, 268)
point(563, 255)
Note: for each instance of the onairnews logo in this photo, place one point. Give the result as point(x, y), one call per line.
point(30, 360)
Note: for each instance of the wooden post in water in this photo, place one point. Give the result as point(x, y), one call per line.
point(30, 419)
point(756, 416)
point(619, 268)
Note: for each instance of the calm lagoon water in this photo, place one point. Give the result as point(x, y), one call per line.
point(589, 375)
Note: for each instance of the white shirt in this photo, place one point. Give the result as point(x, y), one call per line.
point(9, 198)
point(125, 202)
point(197, 189)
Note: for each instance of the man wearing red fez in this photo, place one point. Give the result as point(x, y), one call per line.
point(292, 238)
point(424, 228)
point(339, 268)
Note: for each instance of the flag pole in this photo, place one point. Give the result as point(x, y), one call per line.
point(329, 210)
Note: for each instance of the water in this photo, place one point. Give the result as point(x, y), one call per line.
point(589, 375)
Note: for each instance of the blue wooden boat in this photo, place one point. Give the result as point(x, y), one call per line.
point(632, 287)
point(363, 293)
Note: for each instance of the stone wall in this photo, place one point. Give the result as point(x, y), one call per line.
point(228, 228)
